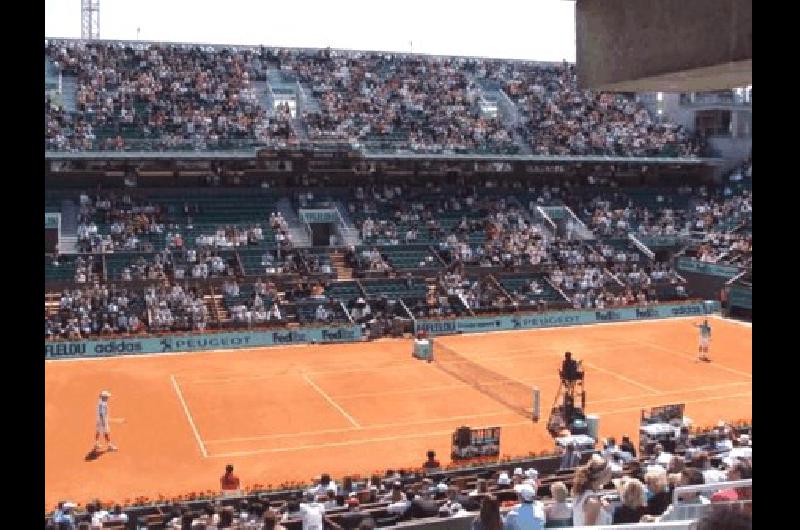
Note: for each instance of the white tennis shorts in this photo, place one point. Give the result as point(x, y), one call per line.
point(704, 342)
point(102, 427)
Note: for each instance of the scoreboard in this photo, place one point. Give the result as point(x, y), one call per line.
point(475, 443)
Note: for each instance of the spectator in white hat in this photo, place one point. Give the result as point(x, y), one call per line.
point(102, 427)
point(528, 514)
point(503, 479)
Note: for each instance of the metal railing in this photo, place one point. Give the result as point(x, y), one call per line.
point(683, 510)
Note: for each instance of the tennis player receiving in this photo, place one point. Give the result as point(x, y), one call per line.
point(102, 422)
point(705, 337)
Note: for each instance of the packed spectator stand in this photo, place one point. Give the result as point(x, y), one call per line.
point(178, 97)
point(716, 460)
point(153, 261)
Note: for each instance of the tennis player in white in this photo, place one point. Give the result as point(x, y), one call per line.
point(102, 423)
point(705, 338)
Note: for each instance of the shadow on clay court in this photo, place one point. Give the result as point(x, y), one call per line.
point(93, 455)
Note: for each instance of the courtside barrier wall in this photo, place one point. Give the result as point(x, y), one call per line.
point(205, 341)
point(562, 318)
point(332, 334)
point(684, 264)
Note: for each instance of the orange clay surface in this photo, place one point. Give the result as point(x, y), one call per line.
point(290, 413)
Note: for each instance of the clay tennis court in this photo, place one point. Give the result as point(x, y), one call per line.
point(290, 413)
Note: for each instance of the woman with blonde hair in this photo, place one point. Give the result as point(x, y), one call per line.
point(659, 497)
point(589, 506)
point(558, 514)
point(633, 503)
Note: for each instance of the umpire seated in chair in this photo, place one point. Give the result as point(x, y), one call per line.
point(570, 369)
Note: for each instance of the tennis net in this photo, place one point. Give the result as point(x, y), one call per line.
point(512, 394)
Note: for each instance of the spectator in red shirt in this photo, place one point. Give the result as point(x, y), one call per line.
point(741, 470)
point(431, 463)
point(229, 481)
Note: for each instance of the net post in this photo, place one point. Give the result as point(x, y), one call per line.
point(536, 403)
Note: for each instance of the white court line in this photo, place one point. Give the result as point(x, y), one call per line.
point(189, 417)
point(353, 442)
point(734, 321)
point(331, 401)
point(453, 418)
point(366, 428)
point(666, 393)
point(440, 433)
point(623, 378)
point(712, 364)
point(699, 400)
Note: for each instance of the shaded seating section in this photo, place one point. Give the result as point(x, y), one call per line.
point(529, 289)
point(259, 262)
point(64, 271)
point(400, 288)
point(345, 291)
point(408, 258)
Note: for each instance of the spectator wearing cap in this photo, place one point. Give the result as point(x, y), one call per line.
point(354, 516)
point(503, 480)
point(66, 517)
point(558, 514)
point(727, 517)
point(528, 514)
point(229, 482)
point(489, 517)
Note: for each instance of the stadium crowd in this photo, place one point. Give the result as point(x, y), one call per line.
point(457, 234)
point(173, 96)
point(613, 485)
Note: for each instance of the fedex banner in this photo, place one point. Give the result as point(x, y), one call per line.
point(207, 341)
point(562, 318)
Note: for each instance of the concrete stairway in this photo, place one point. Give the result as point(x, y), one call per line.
point(343, 272)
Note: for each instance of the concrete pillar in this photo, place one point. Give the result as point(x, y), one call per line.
point(666, 45)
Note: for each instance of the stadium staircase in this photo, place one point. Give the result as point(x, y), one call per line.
point(216, 307)
point(68, 240)
point(298, 233)
point(69, 88)
point(509, 114)
point(343, 272)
